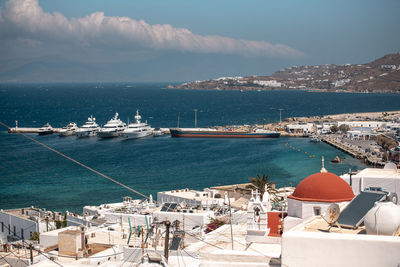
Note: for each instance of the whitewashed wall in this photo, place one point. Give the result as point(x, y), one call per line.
point(322, 249)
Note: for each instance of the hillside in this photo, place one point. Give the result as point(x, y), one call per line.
point(381, 75)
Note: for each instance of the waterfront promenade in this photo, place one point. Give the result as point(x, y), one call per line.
point(366, 150)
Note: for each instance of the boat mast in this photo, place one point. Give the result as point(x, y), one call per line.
point(195, 118)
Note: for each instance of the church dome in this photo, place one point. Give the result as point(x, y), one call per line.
point(323, 187)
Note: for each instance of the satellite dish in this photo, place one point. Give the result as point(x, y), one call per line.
point(332, 215)
point(390, 166)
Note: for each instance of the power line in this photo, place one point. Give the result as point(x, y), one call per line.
point(77, 162)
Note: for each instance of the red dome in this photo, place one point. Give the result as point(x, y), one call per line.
point(323, 187)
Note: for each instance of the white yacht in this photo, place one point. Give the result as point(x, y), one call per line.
point(138, 129)
point(46, 129)
point(157, 132)
point(68, 130)
point(113, 128)
point(90, 128)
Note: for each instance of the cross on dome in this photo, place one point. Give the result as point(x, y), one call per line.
point(323, 165)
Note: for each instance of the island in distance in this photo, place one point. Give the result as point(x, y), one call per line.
point(379, 76)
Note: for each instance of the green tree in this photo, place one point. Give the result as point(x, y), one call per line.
point(34, 236)
point(344, 128)
point(334, 128)
point(64, 224)
point(58, 224)
point(259, 183)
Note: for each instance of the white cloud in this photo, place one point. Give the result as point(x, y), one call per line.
point(97, 31)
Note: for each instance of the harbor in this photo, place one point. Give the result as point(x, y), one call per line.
point(355, 134)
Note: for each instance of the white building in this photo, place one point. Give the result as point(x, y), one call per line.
point(311, 244)
point(189, 218)
point(314, 195)
point(388, 179)
point(22, 223)
point(363, 124)
point(271, 83)
point(130, 209)
point(305, 128)
point(207, 198)
point(361, 134)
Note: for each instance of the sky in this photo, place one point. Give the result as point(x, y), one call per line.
point(187, 40)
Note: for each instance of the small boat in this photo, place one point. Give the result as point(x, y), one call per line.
point(336, 160)
point(90, 128)
point(46, 129)
point(157, 132)
point(68, 130)
point(113, 128)
point(137, 129)
point(314, 139)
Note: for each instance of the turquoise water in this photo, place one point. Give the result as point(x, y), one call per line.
point(31, 175)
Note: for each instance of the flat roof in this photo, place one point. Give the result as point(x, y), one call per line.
point(376, 173)
point(192, 194)
point(319, 225)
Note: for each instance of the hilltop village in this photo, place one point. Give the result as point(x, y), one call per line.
point(381, 75)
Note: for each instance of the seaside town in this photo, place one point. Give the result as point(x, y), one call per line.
point(381, 75)
point(199, 133)
point(252, 224)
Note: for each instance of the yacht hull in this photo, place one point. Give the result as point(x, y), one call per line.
point(136, 135)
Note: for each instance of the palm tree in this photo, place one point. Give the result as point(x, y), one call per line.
point(259, 183)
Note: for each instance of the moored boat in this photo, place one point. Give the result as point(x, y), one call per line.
point(137, 129)
point(113, 128)
point(46, 129)
point(157, 132)
point(314, 139)
point(90, 128)
point(68, 130)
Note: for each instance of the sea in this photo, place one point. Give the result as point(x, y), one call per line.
point(31, 175)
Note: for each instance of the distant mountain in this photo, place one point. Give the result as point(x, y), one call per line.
point(381, 75)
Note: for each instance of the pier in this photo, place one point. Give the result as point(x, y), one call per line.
point(29, 130)
point(353, 150)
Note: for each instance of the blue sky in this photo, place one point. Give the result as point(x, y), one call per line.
point(196, 39)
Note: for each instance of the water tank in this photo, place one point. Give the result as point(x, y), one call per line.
point(383, 219)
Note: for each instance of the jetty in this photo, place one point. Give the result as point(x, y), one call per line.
point(353, 150)
point(29, 130)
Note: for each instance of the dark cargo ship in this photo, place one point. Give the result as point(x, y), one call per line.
point(214, 133)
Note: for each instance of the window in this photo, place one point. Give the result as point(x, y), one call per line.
point(9, 229)
point(22, 233)
point(15, 230)
point(317, 211)
point(2, 227)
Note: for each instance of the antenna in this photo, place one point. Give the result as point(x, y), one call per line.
point(332, 215)
point(195, 118)
point(280, 115)
point(177, 126)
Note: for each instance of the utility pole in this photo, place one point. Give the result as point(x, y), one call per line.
point(280, 115)
point(142, 242)
point(166, 244)
point(230, 217)
point(30, 249)
point(195, 118)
